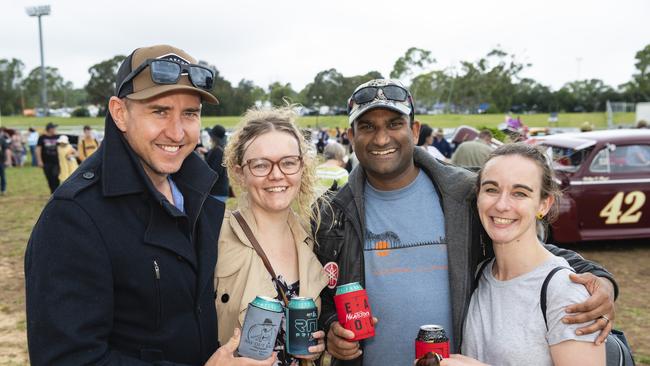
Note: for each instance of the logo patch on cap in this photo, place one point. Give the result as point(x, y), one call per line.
point(175, 58)
point(332, 271)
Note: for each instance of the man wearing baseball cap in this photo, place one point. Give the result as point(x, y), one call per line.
point(405, 226)
point(119, 268)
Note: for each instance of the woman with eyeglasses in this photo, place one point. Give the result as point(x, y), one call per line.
point(270, 161)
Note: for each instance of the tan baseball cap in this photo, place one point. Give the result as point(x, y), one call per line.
point(143, 87)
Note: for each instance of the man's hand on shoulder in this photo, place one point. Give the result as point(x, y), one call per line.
point(225, 355)
point(599, 307)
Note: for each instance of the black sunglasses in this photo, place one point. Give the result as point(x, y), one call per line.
point(391, 92)
point(169, 72)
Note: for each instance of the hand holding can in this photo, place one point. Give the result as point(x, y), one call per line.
point(353, 310)
point(429, 359)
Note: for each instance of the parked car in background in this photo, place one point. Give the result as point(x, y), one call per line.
point(605, 177)
point(464, 133)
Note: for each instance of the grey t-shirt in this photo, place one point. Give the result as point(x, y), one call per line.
point(505, 326)
point(406, 269)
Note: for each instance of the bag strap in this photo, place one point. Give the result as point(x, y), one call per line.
point(260, 253)
point(542, 294)
point(615, 356)
point(481, 268)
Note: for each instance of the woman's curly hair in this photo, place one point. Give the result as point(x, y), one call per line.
point(258, 121)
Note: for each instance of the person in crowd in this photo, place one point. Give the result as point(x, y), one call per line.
point(269, 159)
point(119, 267)
point(5, 160)
point(203, 145)
point(440, 143)
point(47, 155)
point(214, 158)
point(345, 141)
point(642, 124)
point(425, 140)
point(474, 153)
point(332, 174)
point(18, 150)
point(586, 126)
point(67, 158)
point(32, 141)
point(323, 138)
point(88, 144)
point(516, 193)
point(406, 228)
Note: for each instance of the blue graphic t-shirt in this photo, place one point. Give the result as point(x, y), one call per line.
point(406, 269)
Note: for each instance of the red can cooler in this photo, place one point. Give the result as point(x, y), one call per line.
point(431, 338)
point(353, 310)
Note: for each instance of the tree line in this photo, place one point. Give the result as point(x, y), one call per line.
point(491, 84)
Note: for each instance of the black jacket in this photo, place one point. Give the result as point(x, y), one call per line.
point(117, 275)
point(342, 228)
point(214, 158)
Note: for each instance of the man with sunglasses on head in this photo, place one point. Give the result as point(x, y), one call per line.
point(119, 268)
point(406, 227)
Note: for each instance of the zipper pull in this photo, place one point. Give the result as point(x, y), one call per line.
point(156, 269)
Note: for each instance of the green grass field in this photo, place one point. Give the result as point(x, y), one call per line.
point(443, 120)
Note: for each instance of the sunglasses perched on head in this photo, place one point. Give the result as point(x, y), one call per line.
point(167, 72)
point(390, 92)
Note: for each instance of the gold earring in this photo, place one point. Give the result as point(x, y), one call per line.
point(539, 216)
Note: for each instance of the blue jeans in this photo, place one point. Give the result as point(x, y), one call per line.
point(32, 151)
point(3, 177)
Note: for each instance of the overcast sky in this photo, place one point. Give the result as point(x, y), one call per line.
point(292, 40)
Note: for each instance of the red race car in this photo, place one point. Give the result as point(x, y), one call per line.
point(605, 177)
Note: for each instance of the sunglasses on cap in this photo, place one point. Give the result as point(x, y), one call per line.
point(167, 72)
point(391, 92)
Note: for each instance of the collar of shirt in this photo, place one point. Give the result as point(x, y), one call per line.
point(179, 200)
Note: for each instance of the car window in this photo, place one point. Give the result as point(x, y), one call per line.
point(622, 159)
point(567, 159)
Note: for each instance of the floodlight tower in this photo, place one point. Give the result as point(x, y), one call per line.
point(39, 11)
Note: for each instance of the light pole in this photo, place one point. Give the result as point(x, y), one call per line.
point(317, 100)
point(39, 11)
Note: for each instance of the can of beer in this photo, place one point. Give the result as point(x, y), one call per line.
point(261, 326)
point(431, 338)
point(353, 310)
point(301, 322)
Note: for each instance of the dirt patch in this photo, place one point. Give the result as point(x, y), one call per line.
point(13, 339)
point(628, 262)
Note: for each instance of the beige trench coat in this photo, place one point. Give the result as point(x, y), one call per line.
point(240, 274)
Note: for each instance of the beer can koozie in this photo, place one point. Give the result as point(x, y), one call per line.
point(301, 323)
point(353, 310)
point(431, 338)
point(261, 326)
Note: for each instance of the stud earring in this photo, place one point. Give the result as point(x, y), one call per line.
point(539, 216)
